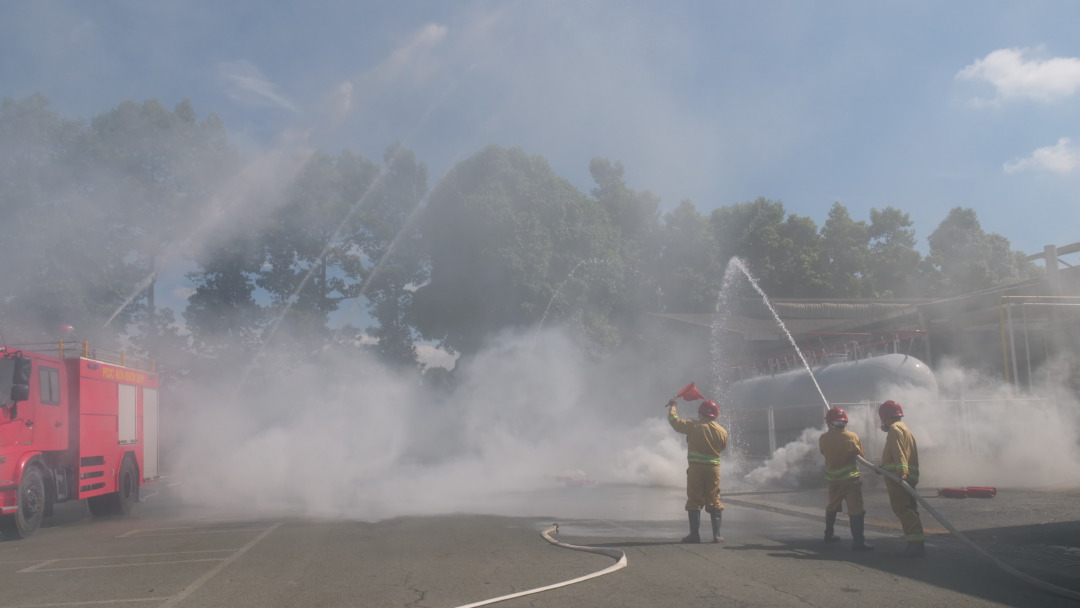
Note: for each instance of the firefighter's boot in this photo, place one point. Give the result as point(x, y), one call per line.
point(695, 524)
point(858, 537)
point(916, 549)
point(715, 517)
point(830, 524)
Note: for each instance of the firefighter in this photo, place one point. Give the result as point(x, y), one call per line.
point(901, 458)
point(840, 447)
point(705, 439)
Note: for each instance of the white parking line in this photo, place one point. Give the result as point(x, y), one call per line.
point(45, 566)
point(153, 532)
point(202, 580)
point(49, 565)
point(90, 603)
point(176, 561)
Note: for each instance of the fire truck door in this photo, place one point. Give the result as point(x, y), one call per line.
point(150, 434)
point(49, 416)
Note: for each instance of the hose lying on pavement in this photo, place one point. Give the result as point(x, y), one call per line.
point(616, 554)
point(1069, 593)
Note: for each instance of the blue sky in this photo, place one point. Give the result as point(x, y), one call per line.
point(918, 105)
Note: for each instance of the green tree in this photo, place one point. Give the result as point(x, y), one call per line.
point(392, 242)
point(222, 316)
point(782, 251)
point(504, 235)
point(66, 254)
point(845, 253)
point(636, 218)
point(689, 269)
point(311, 257)
point(154, 172)
point(963, 258)
point(892, 269)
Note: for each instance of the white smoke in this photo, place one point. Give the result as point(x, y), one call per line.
point(978, 431)
point(987, 433)
point(530, 416)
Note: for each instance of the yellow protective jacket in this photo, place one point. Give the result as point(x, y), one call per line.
point(704, 439)
point(840, 446)
point(901, 455)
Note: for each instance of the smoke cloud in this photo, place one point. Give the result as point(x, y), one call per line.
point(529, 416)
point(976, 431)
point(531, 420)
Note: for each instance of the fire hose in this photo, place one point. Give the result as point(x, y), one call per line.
point(616, 554)
point(621, 562)
point(1069, 593)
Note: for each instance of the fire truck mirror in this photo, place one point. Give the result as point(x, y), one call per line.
point(22, 371)
point(20, 392)
point(20, 381)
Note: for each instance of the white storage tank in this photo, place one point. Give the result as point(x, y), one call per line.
point(770, 411)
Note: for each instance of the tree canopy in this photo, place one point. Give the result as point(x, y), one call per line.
point(501, 242)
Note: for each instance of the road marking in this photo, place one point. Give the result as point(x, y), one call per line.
point(90, 603)
point(169, 602)
point(202, 580)
point(44, 566)
point(155, 532)
point(128, 565)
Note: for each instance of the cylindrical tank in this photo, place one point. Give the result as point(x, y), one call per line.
point(770, 411)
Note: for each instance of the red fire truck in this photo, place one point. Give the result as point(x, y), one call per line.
point(73, 425)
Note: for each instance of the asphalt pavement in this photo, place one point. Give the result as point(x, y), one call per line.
point(1036, 531)
point(172, 554)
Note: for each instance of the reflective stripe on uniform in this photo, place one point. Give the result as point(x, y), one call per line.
point(699, 458)
point(903, 469)
point(849, 472)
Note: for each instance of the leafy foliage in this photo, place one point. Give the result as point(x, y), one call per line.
point(503, 233)
point(500, 243)
point(963, 258)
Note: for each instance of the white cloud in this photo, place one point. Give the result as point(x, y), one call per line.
point(1059, 158)
point(247, 85)
point(1017, 74)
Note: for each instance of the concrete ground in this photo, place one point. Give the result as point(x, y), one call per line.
point(1036, 531)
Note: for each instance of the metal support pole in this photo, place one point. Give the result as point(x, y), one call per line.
point(1012, 342)
point(772, 431)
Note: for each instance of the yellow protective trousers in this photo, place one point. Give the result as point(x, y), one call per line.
point(906, 508)
point(703, 487)
point(846, 490)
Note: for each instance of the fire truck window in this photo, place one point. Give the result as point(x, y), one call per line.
point(50, 385)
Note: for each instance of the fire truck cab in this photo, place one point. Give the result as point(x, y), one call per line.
point(83, 426)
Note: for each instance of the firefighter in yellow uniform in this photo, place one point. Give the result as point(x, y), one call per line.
point(840, 447)
point(901, 458)
point(705, 439)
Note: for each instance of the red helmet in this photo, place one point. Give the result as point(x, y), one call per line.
point(835, 414)
point(890, 409)
point(708, 409)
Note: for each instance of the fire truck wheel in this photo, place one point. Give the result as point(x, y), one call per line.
point(123, 500)
point(127, 491)
point(27, 519)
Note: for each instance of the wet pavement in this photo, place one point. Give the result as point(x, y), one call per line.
point(773, 554)
point(1035, 531)
point(1022, 538)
